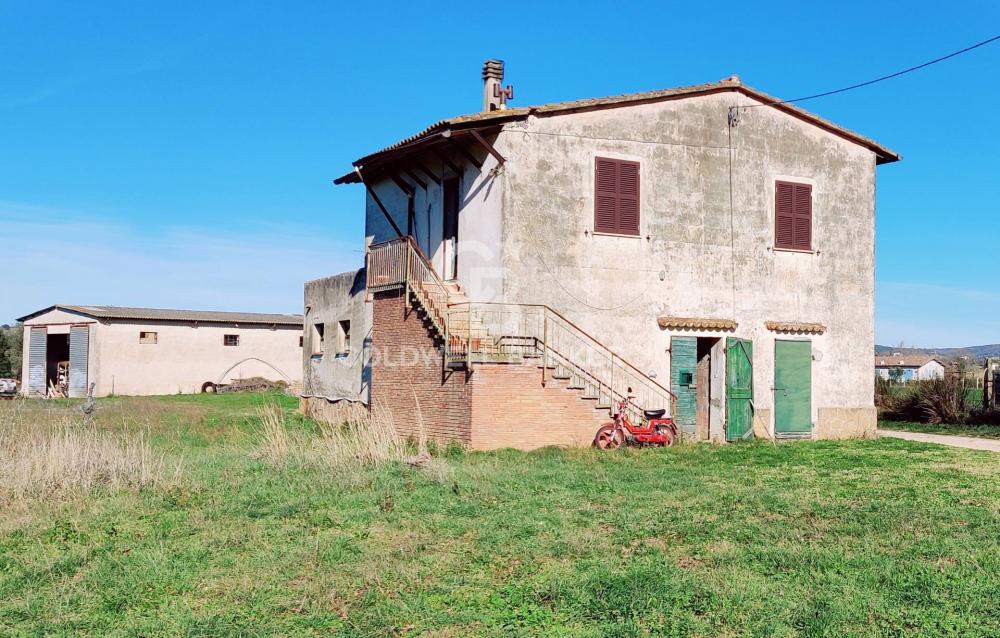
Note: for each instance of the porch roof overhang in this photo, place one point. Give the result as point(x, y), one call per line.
point(437, 138)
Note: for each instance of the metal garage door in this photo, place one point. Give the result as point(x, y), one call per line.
point(79, 353)
point(36, 361)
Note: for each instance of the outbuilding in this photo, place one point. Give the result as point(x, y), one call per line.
point(148, 351)
point(908, 367)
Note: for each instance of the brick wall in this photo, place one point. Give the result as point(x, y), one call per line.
point(496, 406)
point(406, 370)
point(510, 408)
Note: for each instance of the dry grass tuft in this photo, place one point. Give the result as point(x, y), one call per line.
point(366, 437)
point(49, 452)
point(361, 439)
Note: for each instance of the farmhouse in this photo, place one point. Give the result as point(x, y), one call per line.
point(145, 351)
point(706, 249)
point(911, 367)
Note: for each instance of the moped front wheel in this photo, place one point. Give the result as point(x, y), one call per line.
point(608, 438)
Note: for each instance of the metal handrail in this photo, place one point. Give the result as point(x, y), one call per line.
point(556, 314)
point(554, 337)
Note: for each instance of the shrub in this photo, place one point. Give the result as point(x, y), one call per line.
point(885, 398)
point(944, 400)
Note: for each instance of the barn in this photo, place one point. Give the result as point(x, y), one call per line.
point(148, 351)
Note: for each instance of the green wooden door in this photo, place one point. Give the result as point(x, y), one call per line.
point(683, 360)
point(792, 387)
point(739, 389)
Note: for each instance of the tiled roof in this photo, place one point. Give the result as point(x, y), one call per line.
point(729, 84)
point(162, 314)
point(795, 326)
point(695, 323)
point(902, 360)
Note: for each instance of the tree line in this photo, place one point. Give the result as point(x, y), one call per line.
point(10, 351)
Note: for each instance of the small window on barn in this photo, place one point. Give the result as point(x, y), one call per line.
point(301, 339)
point(231, 340)
point(792, 216)
point(147, 337)
point(318, 338)
point(616, 196)
point(343, 338)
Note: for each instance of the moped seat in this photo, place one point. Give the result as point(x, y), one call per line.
point(654, 414)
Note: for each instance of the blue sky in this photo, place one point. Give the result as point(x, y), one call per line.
point(181, 154)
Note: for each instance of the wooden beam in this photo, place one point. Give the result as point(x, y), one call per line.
point(414, 177)
point(378, 202)
point(464, 151)
point(447, 162)
point(426, 171)
point(403, 185)
point(489, 147)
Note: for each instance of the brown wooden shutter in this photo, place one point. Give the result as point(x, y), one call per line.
point(616, 196)
point(792, 216)
point(606, 196)
point(628, 198)
point(803, 216)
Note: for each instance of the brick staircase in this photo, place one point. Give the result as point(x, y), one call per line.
point(563, 360)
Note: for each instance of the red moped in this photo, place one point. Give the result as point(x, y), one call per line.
point(655, 430)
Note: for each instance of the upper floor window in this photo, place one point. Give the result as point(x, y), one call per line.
point(230, 340)
point(616, 196)
point(792, 216)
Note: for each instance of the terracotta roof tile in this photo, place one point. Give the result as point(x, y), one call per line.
point(695, 323)
point(795, 326)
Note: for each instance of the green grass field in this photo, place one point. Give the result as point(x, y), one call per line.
point(987, 431)
point(859, 538)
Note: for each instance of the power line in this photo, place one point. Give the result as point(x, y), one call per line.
point(884, 77)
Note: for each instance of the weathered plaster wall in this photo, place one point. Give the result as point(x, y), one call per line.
point(705, 250)
point(326, 376)
point(184, 357)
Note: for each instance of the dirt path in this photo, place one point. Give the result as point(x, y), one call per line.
point(970, 442)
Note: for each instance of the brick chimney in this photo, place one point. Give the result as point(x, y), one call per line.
point(493, 95)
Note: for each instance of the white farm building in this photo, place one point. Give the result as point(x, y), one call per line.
point(147, 351)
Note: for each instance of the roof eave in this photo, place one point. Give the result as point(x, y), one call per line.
point(61, 307)
point(883, 155)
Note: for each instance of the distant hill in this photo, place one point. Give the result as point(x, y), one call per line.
point(976, 352)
